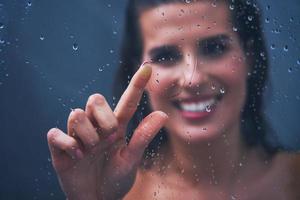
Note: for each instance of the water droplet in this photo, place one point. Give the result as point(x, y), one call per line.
point(42, 37)
point(2, 41)
point(273, 46)
point(213, 87)
point(267, 20)
point(268, 7)
point(1, 25)
point(208, 109)
point(290, 70)
point(291, 19)
point(277, 31)
point(29, 3)
point(222, 91)
point(187, 1)
point(101, 69)
point(262, 54)
point(250, 18)
point(111, 51)
point(214, 4)
point(286, 48)
point(234, 29)
point(231, 7)
point(75, 46)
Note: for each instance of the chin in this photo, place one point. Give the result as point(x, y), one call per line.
point(195, 134)
point(205, 127)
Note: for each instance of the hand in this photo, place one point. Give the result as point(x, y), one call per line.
point(93, 160)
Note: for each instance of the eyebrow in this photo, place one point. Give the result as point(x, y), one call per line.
point(174, 48)
point(162, 49)
point(224, 38)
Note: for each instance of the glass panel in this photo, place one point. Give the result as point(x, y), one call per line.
point(55, 54)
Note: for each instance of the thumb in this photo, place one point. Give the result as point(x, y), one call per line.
point(144, 134)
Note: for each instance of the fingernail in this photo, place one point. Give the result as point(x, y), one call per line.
point(163, 114)
point(167, 116)
point(79, 154)
point(144, 63)
point(146, 71)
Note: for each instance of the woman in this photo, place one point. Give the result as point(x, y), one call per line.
point(204, 79)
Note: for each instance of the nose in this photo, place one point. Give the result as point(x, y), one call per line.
point(193, 74)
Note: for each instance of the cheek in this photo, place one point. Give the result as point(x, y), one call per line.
point(231, 74)
point(235, 80)
point(235, 71)
point(164, 82)
point(239, 72)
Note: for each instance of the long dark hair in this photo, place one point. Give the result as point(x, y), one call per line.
point(245, 16)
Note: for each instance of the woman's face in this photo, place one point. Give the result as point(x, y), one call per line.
point(199, 68)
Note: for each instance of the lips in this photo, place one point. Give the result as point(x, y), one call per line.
point(197, 107)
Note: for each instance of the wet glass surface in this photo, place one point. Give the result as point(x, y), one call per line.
point(55, 54)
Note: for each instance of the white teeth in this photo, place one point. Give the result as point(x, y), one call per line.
point(197, 107)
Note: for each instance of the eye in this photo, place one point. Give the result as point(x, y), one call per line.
point(214, 47)
point(165, 55)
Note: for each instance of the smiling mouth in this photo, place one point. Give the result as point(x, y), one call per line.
point(197, 104)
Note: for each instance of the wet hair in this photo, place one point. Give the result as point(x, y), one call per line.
point(246, 20)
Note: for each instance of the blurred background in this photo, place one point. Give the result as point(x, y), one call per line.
point(54, 54)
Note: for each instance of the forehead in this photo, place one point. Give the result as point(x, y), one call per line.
point(177, 21)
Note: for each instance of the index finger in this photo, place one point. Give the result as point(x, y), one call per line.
point(128, 103)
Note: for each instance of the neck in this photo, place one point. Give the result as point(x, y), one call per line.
point(208, 163)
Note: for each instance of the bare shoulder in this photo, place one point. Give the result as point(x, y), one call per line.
point(292, 162)
point(280, 179)
point(277, 177)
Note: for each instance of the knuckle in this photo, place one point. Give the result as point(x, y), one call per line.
point(131, 105)
point(92, 144)
point(111, 127)
point(115, 125)
point(145, 133)
point(70, 145)
point(145, 138)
